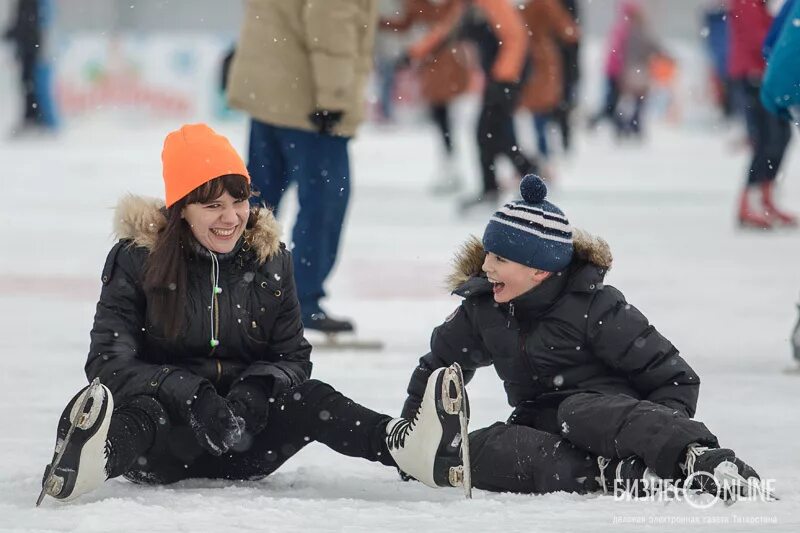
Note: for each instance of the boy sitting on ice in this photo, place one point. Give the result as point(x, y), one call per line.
point(584, 370)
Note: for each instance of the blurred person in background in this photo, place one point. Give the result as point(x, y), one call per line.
point(389, 47)
point(26, 33)
point(544, 93)
point(780, 89)
point(571, 72)
point(443, 74)
point(769, 134)
point(618, 37)
point(640, 49)
point(715, 20)
point(496, 28)
point(300, 72)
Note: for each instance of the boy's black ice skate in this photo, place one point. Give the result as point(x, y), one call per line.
point(433, 447)
point(323, 323)
point(718, 471)
point(79, 459)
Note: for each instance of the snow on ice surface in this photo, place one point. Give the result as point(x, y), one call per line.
point(726, 298)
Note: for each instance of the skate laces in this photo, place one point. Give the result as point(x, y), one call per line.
point(693, 451)
point(602, 464)
point(397, 436)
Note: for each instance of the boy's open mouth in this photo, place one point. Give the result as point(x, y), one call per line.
point(497, 287)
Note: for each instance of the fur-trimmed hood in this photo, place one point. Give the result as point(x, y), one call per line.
point(140, 219)
point(469, 258)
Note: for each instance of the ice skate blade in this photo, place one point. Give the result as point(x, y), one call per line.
point(337, 342)
point(81, 419)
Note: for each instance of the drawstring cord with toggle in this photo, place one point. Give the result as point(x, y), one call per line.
point(215, 290)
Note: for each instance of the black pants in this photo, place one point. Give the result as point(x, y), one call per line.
point(33, 108)
point(496, 137)
point(441, 116)
point(314, 411)
point(769, 135)
point(545, 449)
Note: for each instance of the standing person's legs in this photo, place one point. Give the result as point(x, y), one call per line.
point(619, 426)
point(441, 117)
point(266, 164)
point(32, 113)
point(321, 167)
point(509, 457)
point(778, 134)
point(540, 121)
point(756, 120)
point(489, 127)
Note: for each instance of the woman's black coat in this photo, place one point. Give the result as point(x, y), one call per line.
point(260, 332)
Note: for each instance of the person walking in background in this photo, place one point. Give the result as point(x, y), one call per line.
point(780, 89)
point(496, 28)
point(769, 135)
point(614, 65)
point(389, 47)
point(444, 74)
point(26, 34)
point(715, 20)
point(548, 24)
point(639, 52)
point(571, 73)
point(300, 72)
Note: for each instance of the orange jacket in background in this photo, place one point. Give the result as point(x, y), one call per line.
point(546, 22)
point(507, 25)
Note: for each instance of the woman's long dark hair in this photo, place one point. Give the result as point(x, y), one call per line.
point(165, 273)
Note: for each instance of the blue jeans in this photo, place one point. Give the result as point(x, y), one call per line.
point(320, 166)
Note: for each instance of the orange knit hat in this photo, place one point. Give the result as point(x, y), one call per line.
point(194, 155)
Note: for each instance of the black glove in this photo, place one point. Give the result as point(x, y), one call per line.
point(501, 94)
point(325, 120)
point(215, 426)
point(249, 400)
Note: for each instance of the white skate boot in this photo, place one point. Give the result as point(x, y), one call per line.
point(79, 459)
point(434, 446)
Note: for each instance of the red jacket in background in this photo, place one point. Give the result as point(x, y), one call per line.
point(749, 23)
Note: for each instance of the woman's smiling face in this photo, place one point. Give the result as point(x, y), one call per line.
point(218, 224)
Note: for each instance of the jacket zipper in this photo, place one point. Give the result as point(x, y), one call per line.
point(522, 348)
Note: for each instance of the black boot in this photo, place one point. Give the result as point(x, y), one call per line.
point(320, 321)
point(718, 471)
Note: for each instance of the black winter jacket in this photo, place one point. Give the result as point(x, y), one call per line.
point(259, 328)
point(570, 334)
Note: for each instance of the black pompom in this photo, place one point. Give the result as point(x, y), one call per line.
point(533, 189)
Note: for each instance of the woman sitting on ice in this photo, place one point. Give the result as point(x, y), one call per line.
point(199, 350)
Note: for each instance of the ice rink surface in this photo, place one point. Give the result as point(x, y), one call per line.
point(726, 298)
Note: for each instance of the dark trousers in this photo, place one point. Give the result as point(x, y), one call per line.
point(609, 109)
point(545, 449)
point(320, 166)
point(769, 135)
point(496, 137)
point(314, 411)
point(441, 117)
point(33, 108)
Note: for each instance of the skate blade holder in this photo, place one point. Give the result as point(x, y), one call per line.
point(452, 404)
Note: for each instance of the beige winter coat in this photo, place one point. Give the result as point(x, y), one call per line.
point(295, 56)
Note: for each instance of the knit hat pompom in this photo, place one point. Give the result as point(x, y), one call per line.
point(533, 189)
point(531, 231)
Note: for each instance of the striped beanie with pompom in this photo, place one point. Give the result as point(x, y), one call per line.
point(531, 231)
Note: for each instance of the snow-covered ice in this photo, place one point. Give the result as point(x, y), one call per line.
point(726, 298)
